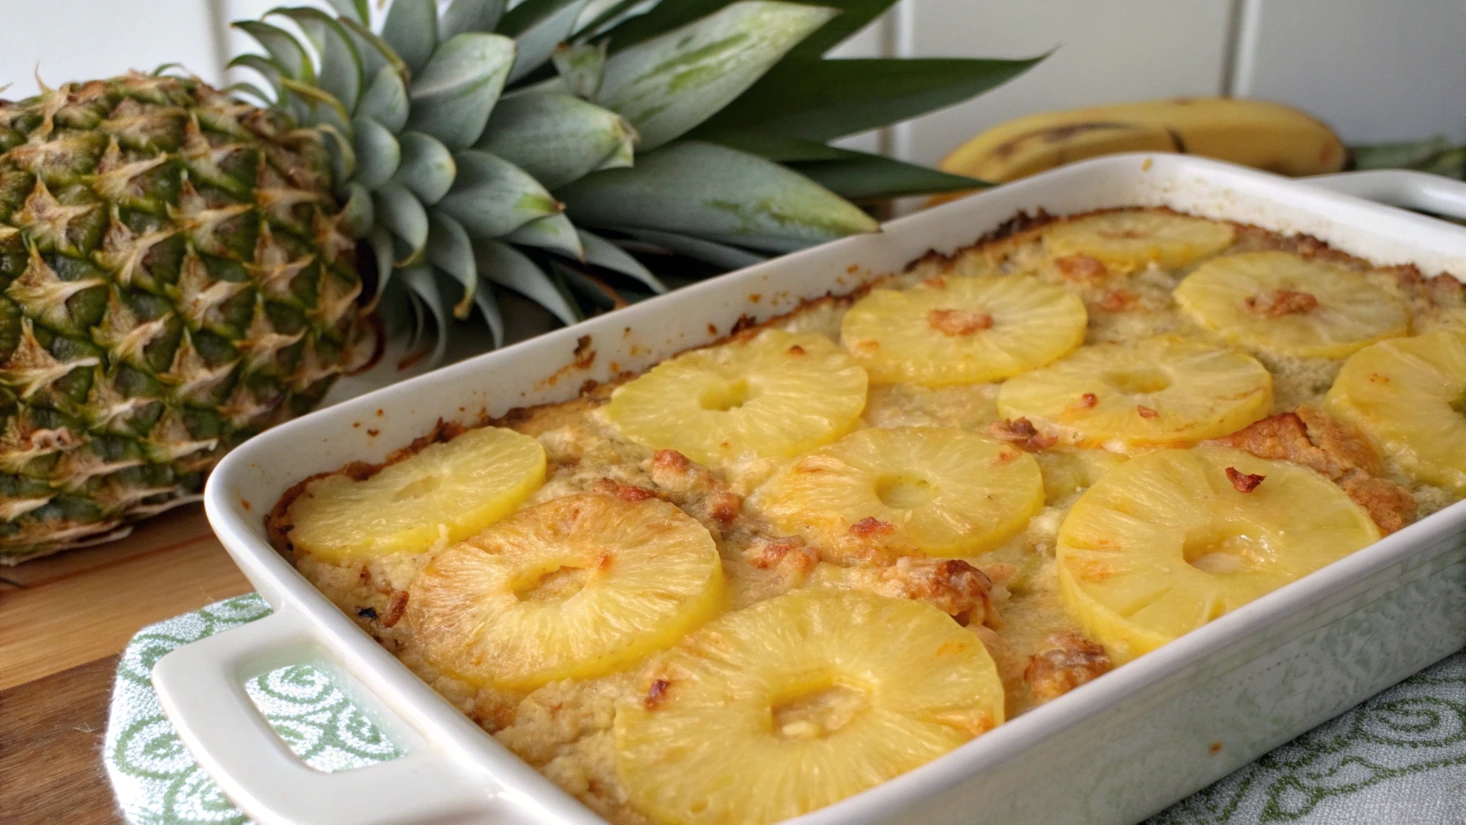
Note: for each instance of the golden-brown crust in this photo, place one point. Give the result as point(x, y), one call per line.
point(870, 527)
point(1070, 661)
point(1081, 269)
point(1340, 439)
point(1334, 448)
point(1281, 302)
point(954, 586)
point(958, 322)
point(694, 488)
point(670, 461)
point(724, 506)
point(789, 554)
point(1021, 223)
point(1284, 437)
point(1020, 432)
point(1390, 505)
point(625, 492)
point(1118, 300)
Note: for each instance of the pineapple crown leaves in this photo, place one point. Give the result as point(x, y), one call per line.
point(480, 148)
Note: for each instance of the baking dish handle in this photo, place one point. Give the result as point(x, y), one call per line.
point(1400, 187)
point(201, 686)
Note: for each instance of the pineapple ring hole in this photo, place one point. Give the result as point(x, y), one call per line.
point(1225, 550)
point(904, 492)
point(1142, 381)
point(554, 585)
point(729, 395)
point(418, 488)
point(817, 710)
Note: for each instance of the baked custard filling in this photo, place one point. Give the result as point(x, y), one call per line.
point(770, 573)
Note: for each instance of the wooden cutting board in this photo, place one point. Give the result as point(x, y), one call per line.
point(63, 622)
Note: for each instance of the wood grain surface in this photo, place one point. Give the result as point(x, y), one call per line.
point(63, 623)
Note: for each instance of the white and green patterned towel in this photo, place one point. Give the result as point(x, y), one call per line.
point(1399, 758)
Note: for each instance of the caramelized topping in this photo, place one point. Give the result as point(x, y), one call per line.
point(787, 549)
point(1022, 433)
point(1243, 482)
point(1081, 268)
point(1119, 300)
point(957, 322)
point(1336, 449)
point(625, 492)
point(1281, 302)
point(656, 693)
point(871, 526)
point(1070, 662)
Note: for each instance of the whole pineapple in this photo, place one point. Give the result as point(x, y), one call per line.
point(179, 268)
point(175, 279)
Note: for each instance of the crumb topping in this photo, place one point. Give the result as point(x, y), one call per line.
point(1007, 597)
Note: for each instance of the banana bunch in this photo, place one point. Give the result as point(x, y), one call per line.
point(1249, 132)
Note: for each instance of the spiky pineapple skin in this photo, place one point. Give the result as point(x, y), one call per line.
point(173, 279)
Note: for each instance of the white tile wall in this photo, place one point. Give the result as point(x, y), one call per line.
point(1376, 70)
point(85, 39)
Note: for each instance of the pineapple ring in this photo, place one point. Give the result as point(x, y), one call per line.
point(1168, 541)
point(938, 490)
point(1408, 394)
point(1155, 392)
point(1283, 303)
point(1126, 241)
point(573, 588)
point(962, 330)
point(445, 491)
point(814, 696)
point(774, 396)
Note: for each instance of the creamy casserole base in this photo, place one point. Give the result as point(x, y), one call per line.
point(1008, 597)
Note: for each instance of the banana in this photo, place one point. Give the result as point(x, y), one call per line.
point(1253, 133)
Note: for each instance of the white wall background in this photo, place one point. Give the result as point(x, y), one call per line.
point(1376, 70)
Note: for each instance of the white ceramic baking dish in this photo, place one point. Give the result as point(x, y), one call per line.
point(1112, 751)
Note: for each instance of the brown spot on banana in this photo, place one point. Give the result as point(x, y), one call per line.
point(1056, 134)
point(1176, 140)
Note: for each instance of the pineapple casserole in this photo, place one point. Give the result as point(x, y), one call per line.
point(773, 572)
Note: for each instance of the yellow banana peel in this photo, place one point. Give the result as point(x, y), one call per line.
point(1253, 133)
